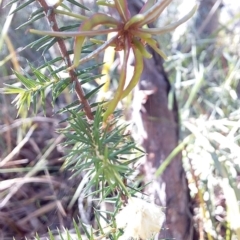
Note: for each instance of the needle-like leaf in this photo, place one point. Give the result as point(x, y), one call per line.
point(118, 94)
point(121, 6)
point(141, 48)
point(138, 68)
point(91, 33)
point(95, 20)
point(147, 5)
point(153, 12)
point(172, 26)
point(153, 44)
point(96, 51)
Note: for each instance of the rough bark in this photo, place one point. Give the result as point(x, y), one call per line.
point(158, 130)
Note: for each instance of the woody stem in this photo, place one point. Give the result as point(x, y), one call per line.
point(51, 17)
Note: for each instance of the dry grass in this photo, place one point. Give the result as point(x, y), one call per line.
point(35, 193)
point(206, 79)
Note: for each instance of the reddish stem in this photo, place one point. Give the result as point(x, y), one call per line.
point(51, 17)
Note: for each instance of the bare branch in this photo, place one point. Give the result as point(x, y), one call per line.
point(51, 17)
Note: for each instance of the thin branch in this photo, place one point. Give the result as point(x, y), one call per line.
point(51, 17)
point(18, 147)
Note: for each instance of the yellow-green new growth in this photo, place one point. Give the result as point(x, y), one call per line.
point(130, 33)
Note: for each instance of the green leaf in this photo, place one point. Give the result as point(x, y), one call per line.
point(68, 236)
point(33, 14)
point(60, 234)
point(77, 138)
point(42, 94)
point(47, 45)
point(39, 16)
point(28, 83)
point(59, 87)
point(70, 107)
point(68, 27)
point(81, 128)
point(147, 5)
point(22, 6)
point(58, 70)
point(34, 100)
point(65, 7)
point(85, 230)
point(57, 59)
point(94, 91)
point(89, 69)
point(39, 42)
point(10, 89)
point(77, 230)
point(37, 237)
point(22, 101)
point(10, 3)
point(42, 79)
point(88, 79)
point(50, 234)
point(28, 100)
point(78, 4)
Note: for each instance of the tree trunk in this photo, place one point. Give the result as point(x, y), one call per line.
point(157, 127)
point(207, 20)
point(158, 130)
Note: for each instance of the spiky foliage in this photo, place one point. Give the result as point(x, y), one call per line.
point(131, 33)
point(98, 144)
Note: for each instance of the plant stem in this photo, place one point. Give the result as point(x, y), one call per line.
point(51, 17)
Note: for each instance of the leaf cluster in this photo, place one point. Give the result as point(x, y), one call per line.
point(104, 152)
point(47, 76)
point(206, 81)
point(98, 145)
